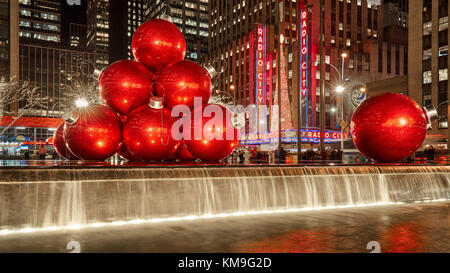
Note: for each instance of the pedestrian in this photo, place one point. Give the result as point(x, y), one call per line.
point(42, 152)
point(55, 155)
point(27, 155)
point(430, 153)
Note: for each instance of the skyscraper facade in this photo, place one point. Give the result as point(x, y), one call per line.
point(428, 58)
point(4, 39)
point(126, 17)
point(40, 21)
point(351, 27)
point(192, 18)
point(98, 30)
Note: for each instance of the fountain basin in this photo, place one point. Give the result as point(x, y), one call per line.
point(71, 196)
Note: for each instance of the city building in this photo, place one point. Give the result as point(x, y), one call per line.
point(353, 29)
point(78, 35)
point(393, 14)
point(192, 18)
point(41, 62)
point(4, 39)
point(428, 60)
point(126, 17)
point(98, 30)
point(40, 21)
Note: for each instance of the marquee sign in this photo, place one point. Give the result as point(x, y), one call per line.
point(260, 65)
point(305, 59)
point(290, 136)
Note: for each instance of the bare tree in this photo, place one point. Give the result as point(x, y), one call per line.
point(25, 94)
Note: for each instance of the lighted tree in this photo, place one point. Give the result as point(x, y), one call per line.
point(22, 94)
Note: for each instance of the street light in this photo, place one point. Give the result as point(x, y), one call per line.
point(340, 89)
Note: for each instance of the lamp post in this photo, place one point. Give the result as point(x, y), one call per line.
point(340, 90)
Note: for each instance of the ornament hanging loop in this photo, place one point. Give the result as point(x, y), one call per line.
point(158, 103)
point(166, 13)
point(431, 113)
point(70, 116)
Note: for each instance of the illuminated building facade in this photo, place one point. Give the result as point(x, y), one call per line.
point(4, 39)
point(428, 59)
point(98, 30)
point(192, 18)
point(40, 21)
point(78, 35)
point(126, 17)
point(353, 27)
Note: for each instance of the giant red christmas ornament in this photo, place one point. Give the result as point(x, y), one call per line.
point(126, 85)
point(389, 127)
point(158, 43)
point(182, 82)
point(148, 132)
point(183, 154)
point(93, 133)
point(60, 144)
point(212, 138)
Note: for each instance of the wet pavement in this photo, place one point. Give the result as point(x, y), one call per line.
point(401, 228)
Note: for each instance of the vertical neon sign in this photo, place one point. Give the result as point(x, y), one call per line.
point(305, 75)
point(260, 65)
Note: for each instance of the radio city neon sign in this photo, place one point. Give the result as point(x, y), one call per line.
point(304, 52)
point(260, 60)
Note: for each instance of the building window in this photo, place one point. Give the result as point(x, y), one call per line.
point(426, 77)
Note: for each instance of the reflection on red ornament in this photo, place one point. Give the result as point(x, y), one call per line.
point(94, 134)
point(158, 43)
point(208, 146)
point(182, 82)
point(389, 127)
point(148, 133)
point(126, 85)
point(60, 144)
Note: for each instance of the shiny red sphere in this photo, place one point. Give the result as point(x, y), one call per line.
point(182, 154)
point(158, 43)
point(60, 144)
point(125, 153)
point(96, 135)
point(216, 141)
point(389, 127)
point(148, 133)
point(182, 82)
point(126, 85)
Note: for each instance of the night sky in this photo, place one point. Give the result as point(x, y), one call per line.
point(71, 14)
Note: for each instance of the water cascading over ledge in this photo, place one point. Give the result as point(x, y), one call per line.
point(38, 198)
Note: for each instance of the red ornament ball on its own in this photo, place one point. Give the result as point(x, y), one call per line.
point(125, 153)
point(126, 85)
point(182, 82)
point(158, 43)
point(60, 144)
point(96, 135)
point(210, 147)
point(148, 133)
point(389, 127)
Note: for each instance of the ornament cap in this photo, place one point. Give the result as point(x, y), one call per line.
point(212, 71)
point(431, 113)
point(70, 117)
point(97, 73)
point(166, 17)
point(156, 103)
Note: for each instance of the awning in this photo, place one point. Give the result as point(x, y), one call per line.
point(31, 122)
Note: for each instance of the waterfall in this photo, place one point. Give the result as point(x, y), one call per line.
point(39, 198)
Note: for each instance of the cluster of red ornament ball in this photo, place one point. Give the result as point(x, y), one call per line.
point(134, 123)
